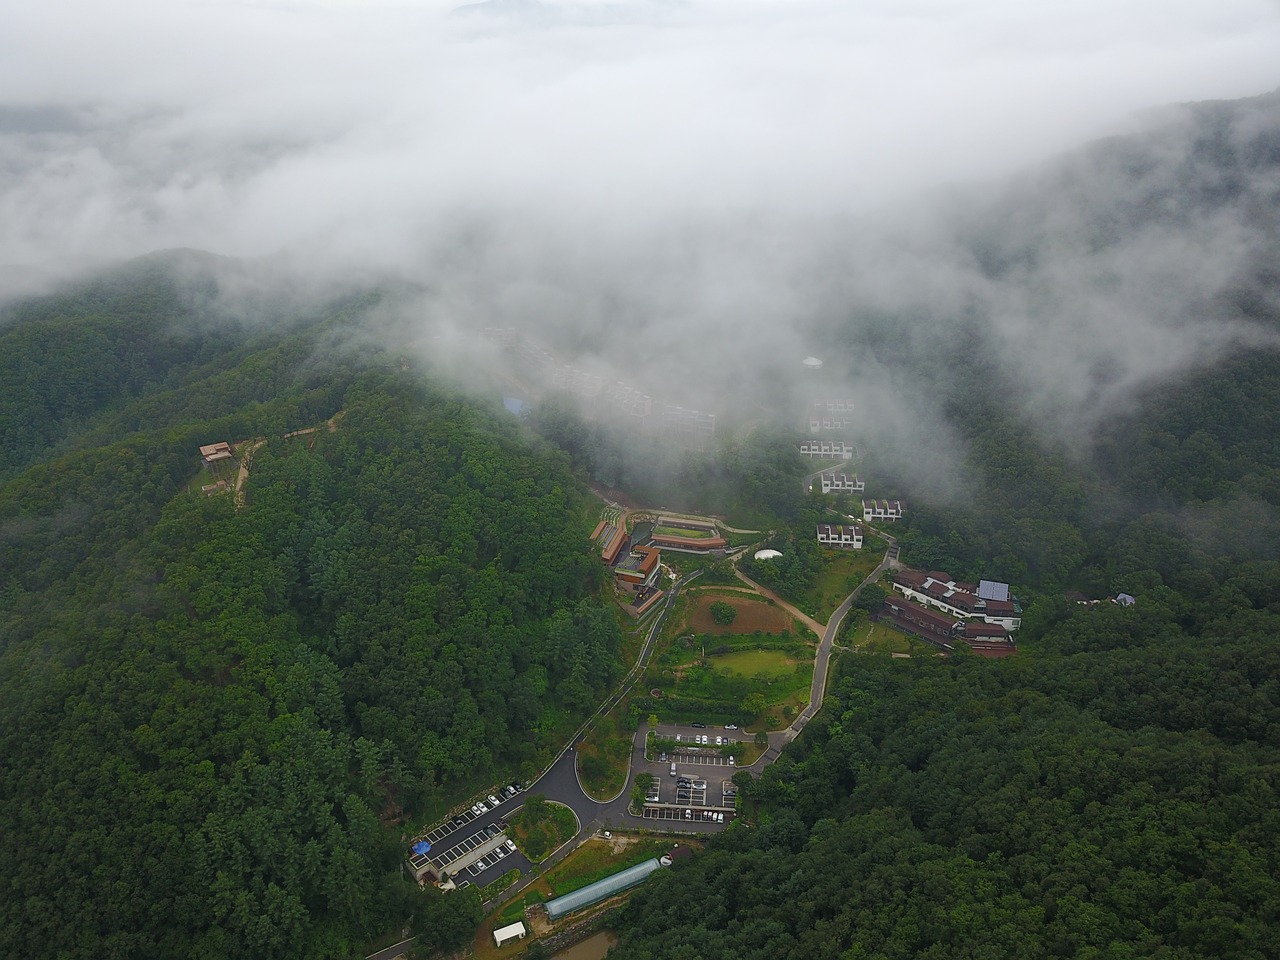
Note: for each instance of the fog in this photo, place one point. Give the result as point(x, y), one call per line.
point(690, 197)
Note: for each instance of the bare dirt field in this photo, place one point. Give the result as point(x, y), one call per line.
point(753, 615)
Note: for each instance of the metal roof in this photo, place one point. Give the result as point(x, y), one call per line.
point(993, 590)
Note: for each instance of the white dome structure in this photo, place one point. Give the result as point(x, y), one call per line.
point(768, 554)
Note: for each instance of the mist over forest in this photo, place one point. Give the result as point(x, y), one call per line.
point(455, 279)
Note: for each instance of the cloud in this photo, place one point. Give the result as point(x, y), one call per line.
point(701, 178)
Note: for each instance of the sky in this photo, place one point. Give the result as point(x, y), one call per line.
point(685, 169)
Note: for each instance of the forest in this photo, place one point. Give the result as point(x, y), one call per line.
point(216, 721)
point(213, 720)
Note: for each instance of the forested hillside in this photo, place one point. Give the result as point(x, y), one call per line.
point(1111, 792)
point(212, 720)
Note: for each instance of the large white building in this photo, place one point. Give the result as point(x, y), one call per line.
point(962, 600)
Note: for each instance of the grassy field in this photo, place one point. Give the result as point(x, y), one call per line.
point(594, 860)
point(664, 530)
point(879, 638)
point(750, 663)
point(841, 575)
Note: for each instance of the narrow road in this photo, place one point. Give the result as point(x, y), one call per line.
point(764, 591)
point(559, 782)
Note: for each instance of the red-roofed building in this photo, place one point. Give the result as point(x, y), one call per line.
point(639, 570)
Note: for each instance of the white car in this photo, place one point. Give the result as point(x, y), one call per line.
point(719, 741)
point(494, 800)
point(511, 846)
point(731, 726)
point(732, 762)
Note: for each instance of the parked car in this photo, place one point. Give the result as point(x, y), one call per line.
point(719, 741)
point(732, 761)
point(511, 845)
point(731, 726)
point(494, 800)
point(492, 830)
point(501, 852)
point(688, 814)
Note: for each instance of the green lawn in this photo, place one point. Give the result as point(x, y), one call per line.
point(749, 663)
point(664, 530)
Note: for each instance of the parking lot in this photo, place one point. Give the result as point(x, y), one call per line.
point(694, 793)
point(708, 759)
point(688, 814)
point(491, 859)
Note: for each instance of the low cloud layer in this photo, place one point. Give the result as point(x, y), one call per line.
point(639, 180)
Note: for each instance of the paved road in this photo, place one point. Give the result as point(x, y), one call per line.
point(560, 781)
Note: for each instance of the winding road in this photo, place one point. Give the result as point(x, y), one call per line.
point(559, 782)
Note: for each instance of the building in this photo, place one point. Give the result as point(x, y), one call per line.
point(601, 890)
point(944, 630)
point(702, 537)
point(628, 401)
point(829, 415)
point(881, 510)
point(681, 423)
point(514, 931)
point(937, 628)
point(841, 483)
point(216, 453)
point(826, 450)
point(638, 571)
point(940, 591)
point(612, 539)
point(840, 536)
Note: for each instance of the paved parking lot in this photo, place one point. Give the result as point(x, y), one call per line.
point(711, 759)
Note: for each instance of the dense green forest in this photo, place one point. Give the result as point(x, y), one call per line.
point(213, 719)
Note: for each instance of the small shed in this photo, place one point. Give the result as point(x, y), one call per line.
point(515, 931)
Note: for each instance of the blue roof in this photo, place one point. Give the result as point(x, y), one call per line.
point(601, 889)
point(421, 847)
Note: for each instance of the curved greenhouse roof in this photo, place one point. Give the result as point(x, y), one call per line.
point(600, 890)
point(768, 554)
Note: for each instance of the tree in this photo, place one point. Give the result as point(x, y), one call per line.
point(871, 597)
point(723, 613)
point(754, 704)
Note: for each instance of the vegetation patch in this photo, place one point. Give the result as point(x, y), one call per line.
point(599, 858)
point(491, 890)
point(603, 758)
point(662, 530)
point(541, 827)
point(754, 663)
